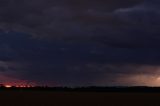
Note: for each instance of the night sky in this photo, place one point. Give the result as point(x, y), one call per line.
point(80, 42)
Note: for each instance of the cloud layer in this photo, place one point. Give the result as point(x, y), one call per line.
point(126, 24)
point(74, 64)
point(93, 42)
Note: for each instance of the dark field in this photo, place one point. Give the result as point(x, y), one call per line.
point(51, 98)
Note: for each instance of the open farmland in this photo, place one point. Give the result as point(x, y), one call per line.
point(52, 98)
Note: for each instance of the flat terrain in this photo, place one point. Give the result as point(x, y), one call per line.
point(50, 98)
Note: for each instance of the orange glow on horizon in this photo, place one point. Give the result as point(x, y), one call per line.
point(18, 86)
point(8, 86)
point(14, 82)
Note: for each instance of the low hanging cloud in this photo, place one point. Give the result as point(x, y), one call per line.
point(75, 64)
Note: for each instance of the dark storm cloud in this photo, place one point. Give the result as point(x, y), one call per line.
point(127, 23)
point(143, 25)
point(61, 63)
point(62, 18)
point(120, 39)
point(138, 27)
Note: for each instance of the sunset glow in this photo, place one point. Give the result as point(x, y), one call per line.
point(8, 86)
point(158, 78)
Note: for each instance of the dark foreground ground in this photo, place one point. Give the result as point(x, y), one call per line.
point(52, 98)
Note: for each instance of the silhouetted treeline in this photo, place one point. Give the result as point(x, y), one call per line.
point(87, 89)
